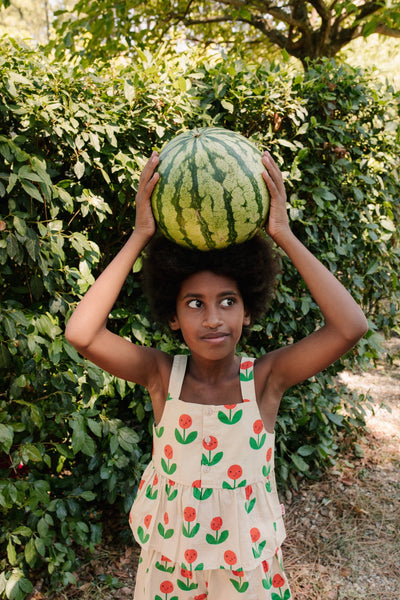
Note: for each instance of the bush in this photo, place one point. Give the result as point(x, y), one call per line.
point(74, 440)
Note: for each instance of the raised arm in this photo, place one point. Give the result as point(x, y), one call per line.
point(344, 322)
point(87, 328)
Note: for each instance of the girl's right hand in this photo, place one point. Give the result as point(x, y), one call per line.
point(144, 222)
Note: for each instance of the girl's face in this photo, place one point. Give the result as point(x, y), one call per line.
point(210, 314)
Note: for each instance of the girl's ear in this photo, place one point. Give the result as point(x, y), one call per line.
point(246, 318)
point(174, 324)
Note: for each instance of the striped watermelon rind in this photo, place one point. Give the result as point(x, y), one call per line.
point(211, 193)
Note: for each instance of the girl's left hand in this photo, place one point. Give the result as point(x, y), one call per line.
point(278, 222)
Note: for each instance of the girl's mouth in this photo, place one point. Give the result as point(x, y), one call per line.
point(215, 337)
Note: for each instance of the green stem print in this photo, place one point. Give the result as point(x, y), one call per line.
point(232, 417)
point(163, 566)
point(237, 583)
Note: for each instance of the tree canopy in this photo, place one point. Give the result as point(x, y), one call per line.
point(305, 29)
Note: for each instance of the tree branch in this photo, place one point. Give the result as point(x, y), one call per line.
point(386, 30)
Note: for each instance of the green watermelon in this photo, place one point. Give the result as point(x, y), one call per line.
point(211, 193)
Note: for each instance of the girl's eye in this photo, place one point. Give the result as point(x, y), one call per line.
point(228, 302)
point(194, 303)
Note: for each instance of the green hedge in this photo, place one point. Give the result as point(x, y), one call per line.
point(74, 440)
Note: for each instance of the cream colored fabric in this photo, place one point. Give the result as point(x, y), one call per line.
point(208, 498)
point(159, 579)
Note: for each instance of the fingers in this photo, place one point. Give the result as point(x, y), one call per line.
point(273, 176)
point(148, 177)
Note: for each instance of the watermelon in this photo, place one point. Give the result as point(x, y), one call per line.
point(211, 193)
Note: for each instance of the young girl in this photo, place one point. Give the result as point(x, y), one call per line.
point(207, 514)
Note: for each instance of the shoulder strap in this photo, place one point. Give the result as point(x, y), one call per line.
point(177, 376)
point(247, 379)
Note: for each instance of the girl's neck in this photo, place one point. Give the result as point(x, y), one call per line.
point(213, 371)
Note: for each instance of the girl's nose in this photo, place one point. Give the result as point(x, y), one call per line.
point(212, 318)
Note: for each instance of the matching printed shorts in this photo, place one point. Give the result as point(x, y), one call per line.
point(159, 579)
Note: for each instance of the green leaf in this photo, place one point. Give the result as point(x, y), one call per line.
point(20, 225)
point(42, 527)
point(94, 139)
point(79, 169)
point(299, 463)
point(23, 530)
point(40, 547)
point(335, 418)
point(6, 437)
point(388, 224)
point(11, 553)
point(31, 190)
point(127, 438)
point(129, 91)
point(306, 450)
point(95, 427)
point(31, 452)
point(64, 450)
point(88, 496)
point(12, 245)
point(5, 358)
point(30, 553)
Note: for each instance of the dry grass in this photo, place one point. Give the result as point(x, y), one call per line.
point(343, 541)
point(343, 531)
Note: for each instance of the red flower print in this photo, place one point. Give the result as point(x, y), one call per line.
point(166, 587)
point(238, 573)
point(248, 490)
point(278, 581)
point(255, 534)
point(185, 421)
point(189, 514)
point(269, 454)
point(165, 558)
point(141, 484)
point(196, 484)
point(216, 523)
point(265, 566)
point(186, 573)
point(247, 364)
point(171, 482)
point(190, 556)
point(201, 597)
point(155, 480)
point(235, 471)
point(258, 426)
point(210, 445)
point(147, 520)
point(230, 406)
point(166, 518)
point(230, 557)
point(168, 451)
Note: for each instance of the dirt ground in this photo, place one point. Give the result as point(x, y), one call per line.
point(343, 531)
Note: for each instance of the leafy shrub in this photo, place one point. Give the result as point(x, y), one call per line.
point(74, 440)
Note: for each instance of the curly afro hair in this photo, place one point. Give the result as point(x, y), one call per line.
point(166, 265)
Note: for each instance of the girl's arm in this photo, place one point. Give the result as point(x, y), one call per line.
point(344, 322)
point(87, 328)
